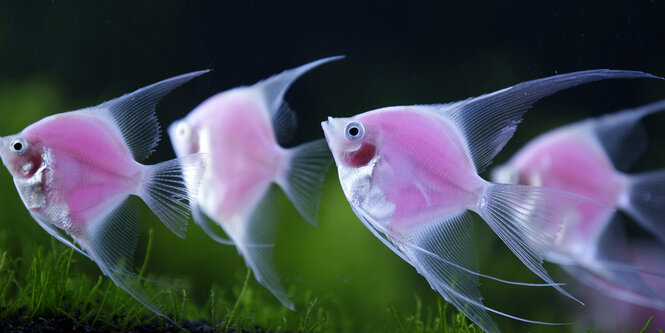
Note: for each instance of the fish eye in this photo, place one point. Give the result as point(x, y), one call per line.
point(182, 130)
point(19, 146)
point(354, 131)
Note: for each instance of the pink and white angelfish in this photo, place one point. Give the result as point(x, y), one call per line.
point(76, 173)
point(241, 129)
point(410, 174)
point(583, 158)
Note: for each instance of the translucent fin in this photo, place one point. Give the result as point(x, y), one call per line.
point(285, 124)
point(622, 267)
point(260, 230)
point(443, 254)
point(134, 114)
point(611, 269)
point(213, 230)
point(612, 245)
point(208, 226)
point(472, 272)
point(304, 176)
point(111, 242)
point(622, 134)
point(165, 189)
point(57, 233)
point(528, 219)
point(489, 121)
point(612, 254)
point(450, 239)
point(274, 88)
point(624, 286)
point(645, 201)
point(381, 233)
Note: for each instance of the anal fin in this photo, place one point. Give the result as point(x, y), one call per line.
point(441, 250)
point(110, 242)
point(208, 226)
point(255, 244)
point(57, 233)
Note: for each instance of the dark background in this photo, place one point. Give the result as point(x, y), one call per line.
point(64, 55)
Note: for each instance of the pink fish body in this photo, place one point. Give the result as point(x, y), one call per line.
point(580, 158)
point(75, 173)
point(420, 186)
point(240, 129)
point(90, 177)
point(410, 173)
point(574, 162)
point(246, 160)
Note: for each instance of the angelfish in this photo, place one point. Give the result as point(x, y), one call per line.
point(584, 158)
point(76, 173)
point(410, 173)
point(241, 129)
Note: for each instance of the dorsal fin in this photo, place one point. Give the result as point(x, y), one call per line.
point(284, 122)
point(274, 88)
point(489, 121)
point(622, 134)
point(134, 114)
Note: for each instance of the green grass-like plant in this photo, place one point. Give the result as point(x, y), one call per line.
point(48, 286)
point(445, 319)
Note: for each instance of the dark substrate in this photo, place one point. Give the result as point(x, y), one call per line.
point(19, 323)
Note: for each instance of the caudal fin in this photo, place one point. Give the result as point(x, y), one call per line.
point(168, 185)
point(528, 219)
point(645, 201)
point(304, 176)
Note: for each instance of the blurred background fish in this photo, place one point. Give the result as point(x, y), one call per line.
point(75, 172)
point(584, 158)
point(410, 173)
point(241, 129)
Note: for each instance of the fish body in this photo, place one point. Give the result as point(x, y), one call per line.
point(84, 180)
point(573, 161)
point(583, 158)
point(76, 172)
point(241, 130)
point(420, 163)
point(410, 173)
point(246, 159)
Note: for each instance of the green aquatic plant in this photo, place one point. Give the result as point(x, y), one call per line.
point(45, 287)
point(646, 326)
point(445, 319)
point(49, 285)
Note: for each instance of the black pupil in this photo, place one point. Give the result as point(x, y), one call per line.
point(18, 146)
point(354, 131)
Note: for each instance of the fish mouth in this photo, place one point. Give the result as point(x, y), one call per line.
point(327, 128)
point(4, 143)
point(325, 123)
